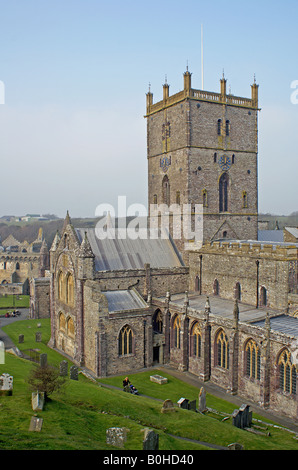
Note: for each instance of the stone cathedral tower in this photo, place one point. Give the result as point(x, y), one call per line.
point(202, 148)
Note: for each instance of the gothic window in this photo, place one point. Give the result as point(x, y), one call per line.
point(205, 198)
point(17, 266)
point(196, 340)
point(238, 291)
point(176, 332)
point(70, 289)
point(287, 373)
point(244, 200)
point(222, 350)
point(219, 127)
point(125, 341)
point(166, 190)
point(157, 322)
point(228, 127)
point(253, 360)
point(62, 322)
point(70, 328)
point(178, 197)
point(61, 293)
point(223, 192)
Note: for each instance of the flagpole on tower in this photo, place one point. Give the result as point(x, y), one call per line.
point(202, 56)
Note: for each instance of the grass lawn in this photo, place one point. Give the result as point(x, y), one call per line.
point(9, 302)
point(77, 417)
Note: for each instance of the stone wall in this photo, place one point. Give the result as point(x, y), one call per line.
point(40, 298)
point(232, 263)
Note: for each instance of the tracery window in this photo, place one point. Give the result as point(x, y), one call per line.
point(70, 328)
point(253, 360)
point(196, 340)
point(176, 332)
point(223, 192)
point(222, 349)
point(61, 292)
point(62, 322)
point(287, 373)
point(125, 341)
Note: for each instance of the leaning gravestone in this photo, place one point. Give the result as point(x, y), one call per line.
point(183, 403)
point(202, 401)
point(6, 384)
point(74, 373)
point(63, 368)
point(37, 401)
point(151, 440)
point(192, 405)
point(116, 436)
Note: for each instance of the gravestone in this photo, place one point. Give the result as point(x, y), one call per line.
point(35, 424)
point(192, 405)
point(21, 339)
point(236, 419)
point(37, 401)
point(202, 401)
point(151, 440)
point(116, 436)
point(6, 384)
point(167, 407)
point(183, 403)
point(38, 337)
point(242, 418)
point(63, 368)
point(235, 446)
point(43, 360)
point(74, 373)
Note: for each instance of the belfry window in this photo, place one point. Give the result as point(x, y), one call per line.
point(219, 127)
point(166, 190)
point(228, 128)
point(223, 192)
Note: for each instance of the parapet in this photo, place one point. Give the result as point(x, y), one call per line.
point(251, 248)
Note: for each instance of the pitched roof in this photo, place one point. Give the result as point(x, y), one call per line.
point(121, 254)
point(124, 300)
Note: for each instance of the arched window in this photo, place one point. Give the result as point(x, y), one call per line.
point(228, 127)
point(253, 360)
point(215, 158)
point(178, 197)
point(216, 287)
point(62, 322)
point(222, 350)
point(17, 266)
point(61, 292)
point(70, 289)
point(157, 322)
point(125, 341)
point(287, 373)
point(263, 297)
point(196, 340)
point(219, 127)
point(176, 332)
point(238, 291)
point(197, 284)
point(70, 328)
point(166, 191)
point(223, 192)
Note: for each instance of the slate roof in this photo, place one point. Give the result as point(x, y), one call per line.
point(116, 254)
point(283, 324)
point(271, 236)
point(124, 300)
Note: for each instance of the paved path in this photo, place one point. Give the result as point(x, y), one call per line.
point(6, 321)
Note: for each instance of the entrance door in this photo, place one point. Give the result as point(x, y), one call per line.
point(156, 354)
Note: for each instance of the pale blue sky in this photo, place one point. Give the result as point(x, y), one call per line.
point(76, 73)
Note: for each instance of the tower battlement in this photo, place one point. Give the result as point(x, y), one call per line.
point(221, 98)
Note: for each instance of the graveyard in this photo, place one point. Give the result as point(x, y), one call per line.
point(95, 414)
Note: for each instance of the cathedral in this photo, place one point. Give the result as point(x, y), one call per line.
point(224, 309)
